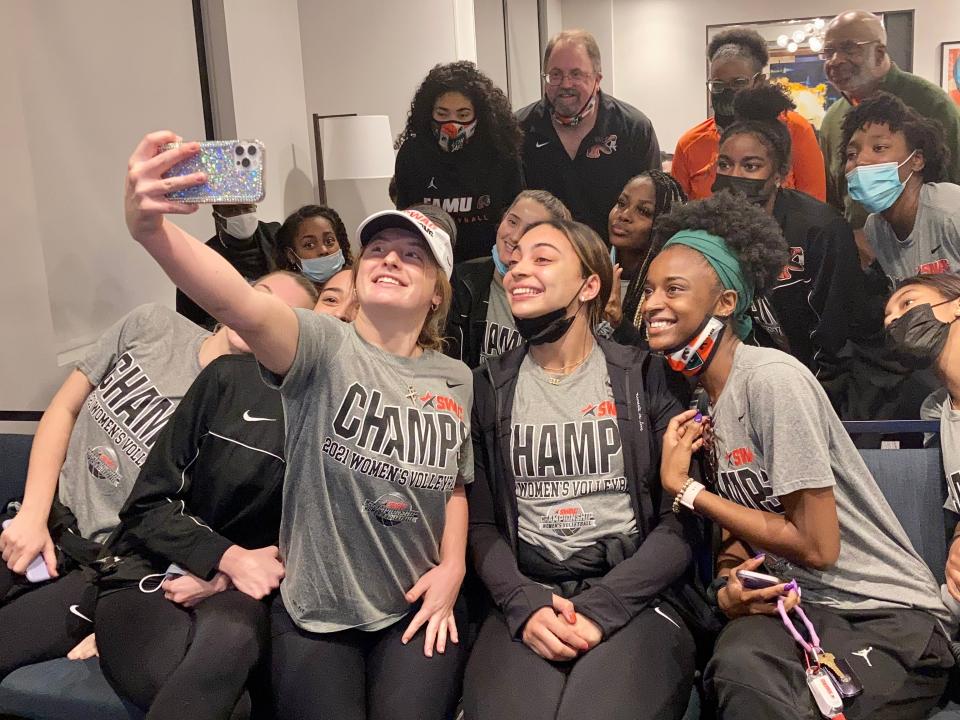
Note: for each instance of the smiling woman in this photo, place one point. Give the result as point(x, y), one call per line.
point(376, 517)
point(576, 564)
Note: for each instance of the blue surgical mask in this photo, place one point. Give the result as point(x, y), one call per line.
point(498, 263)
point(323, 268)
point(878, 186)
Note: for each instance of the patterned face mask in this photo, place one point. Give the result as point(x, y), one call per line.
point(452, 135)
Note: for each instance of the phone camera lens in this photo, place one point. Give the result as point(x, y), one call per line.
point(245, 162)
point(239, 150)
point(252, 149)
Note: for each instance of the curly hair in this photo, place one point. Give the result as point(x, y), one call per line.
point(746, 43)
point(757, 112)
point(496, 125)
point(667, 193)
point(750, 233)
point(291, 226)
point(922, 134)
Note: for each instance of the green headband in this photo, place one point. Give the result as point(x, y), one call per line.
point(714, 249)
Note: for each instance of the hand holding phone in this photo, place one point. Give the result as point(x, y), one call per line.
point(753, 580)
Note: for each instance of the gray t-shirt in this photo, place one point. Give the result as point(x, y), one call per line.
point(140, 369)
point(938, 406)
point(499, 332)
point(568, 459)
point(375, 445)
point(777, 433)
point(934, 244)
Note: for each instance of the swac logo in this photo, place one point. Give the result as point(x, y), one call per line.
point(441, 403)
point(391, 509)
point(601, 409)
point(934, 268)
point(740, 456)
point(568, 519)
point(103, 464)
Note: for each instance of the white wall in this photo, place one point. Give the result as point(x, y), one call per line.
point(368, 57)
point(81, 84)
point(266, 76)
point(659, 48)
point(595, 16)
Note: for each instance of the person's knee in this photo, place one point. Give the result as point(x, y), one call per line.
point(238, 631)
point(734, 655)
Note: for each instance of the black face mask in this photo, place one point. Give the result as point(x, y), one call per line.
point(917, 337)
point(755, 191)
point(549, 327)
point(722, 103)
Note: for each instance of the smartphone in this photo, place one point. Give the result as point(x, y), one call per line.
point(756, 581)
point(234, 171)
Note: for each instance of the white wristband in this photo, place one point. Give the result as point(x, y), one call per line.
point(690, 494)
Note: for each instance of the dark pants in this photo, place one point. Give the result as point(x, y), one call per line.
point(355, 675)
point(645, 670)
point(35, 620)
point(757, 668)
point(177, 663)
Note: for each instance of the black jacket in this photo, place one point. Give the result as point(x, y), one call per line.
point(213, 479)
point(820, 291)
point(622, 144)
point(468, 311)
point(473, 184)
point(647, 396)
point(253, 258)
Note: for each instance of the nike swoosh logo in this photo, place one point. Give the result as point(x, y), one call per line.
point(453, 384)
point(934, 251)
point(666, 617)
point(541, 144)
point(250, 418)
point(75, 609)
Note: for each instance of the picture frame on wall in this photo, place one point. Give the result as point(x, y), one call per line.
point(950, 69)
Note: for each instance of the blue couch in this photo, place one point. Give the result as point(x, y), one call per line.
point(911, 480)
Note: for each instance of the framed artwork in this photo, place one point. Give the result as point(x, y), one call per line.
point(950, 69)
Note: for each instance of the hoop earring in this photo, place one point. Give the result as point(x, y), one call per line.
point(433, 308)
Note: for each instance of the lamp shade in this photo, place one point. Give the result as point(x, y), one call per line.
point(357, 147)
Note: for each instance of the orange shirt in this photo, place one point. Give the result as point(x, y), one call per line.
point(695, 160)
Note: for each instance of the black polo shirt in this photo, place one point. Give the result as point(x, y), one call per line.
point(622, 144)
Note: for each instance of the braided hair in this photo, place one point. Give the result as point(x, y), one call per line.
point(667, 193)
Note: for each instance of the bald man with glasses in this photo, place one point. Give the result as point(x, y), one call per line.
point(857, 63)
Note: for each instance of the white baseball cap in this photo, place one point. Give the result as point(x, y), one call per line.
point(436, 237)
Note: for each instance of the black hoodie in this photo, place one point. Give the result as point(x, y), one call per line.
point(647, 396)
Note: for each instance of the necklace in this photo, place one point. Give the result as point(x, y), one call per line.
point(563, 370)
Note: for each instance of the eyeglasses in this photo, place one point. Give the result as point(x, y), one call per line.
point(718, 86)
point(848, 49)
point(555, 77)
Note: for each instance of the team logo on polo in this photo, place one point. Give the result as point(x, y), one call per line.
point(607, 146)
point(103, 464)
point(567, 519)
point(391, 509)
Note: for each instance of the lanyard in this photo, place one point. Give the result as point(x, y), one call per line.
point(818, 680)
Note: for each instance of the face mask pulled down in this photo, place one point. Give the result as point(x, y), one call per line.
point(549, 327)
point(692, 357)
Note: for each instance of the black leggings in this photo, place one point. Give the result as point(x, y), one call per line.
point(644, 670)
point(355, 675)
point(36, 624)
point(177, 663)
point(901, 657)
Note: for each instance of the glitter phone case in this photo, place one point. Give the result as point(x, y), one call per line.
point(234, 171)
